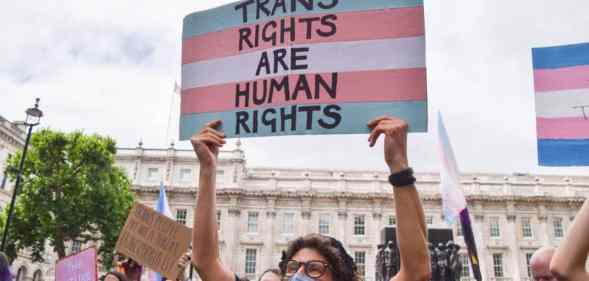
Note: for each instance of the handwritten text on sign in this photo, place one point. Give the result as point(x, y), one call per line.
point(304, 67)
point(154, 240)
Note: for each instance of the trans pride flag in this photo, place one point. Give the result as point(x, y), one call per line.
point(291, 67)
point(561, 81)
point(453, 200)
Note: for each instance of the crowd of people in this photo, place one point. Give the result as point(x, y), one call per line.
point(316, 257)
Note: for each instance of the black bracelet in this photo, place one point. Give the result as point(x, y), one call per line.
point(402, 178)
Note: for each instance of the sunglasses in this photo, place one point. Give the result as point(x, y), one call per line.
point(313, 269)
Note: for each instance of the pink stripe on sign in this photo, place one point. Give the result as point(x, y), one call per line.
point(576, 77)
point(352, 26)
point(563, 128)
point(365, 86)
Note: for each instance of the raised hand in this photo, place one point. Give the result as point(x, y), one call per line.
point(207, 143)
point(395, 143)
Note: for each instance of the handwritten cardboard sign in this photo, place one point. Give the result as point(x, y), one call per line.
point(154, 240)
point(78, 267)
point(269, 68)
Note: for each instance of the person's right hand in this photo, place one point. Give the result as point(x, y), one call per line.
point(207, 142)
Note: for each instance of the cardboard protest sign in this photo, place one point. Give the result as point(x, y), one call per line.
point(77, 267)
point(290, 67)
point(154, 240)
point(561, 82)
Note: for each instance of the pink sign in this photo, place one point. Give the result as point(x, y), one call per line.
point(77, 267)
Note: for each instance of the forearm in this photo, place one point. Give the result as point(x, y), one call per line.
point(569, 260)
point(411, 235)
point(205, 250)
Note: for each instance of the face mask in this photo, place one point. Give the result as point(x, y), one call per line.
point(301, 277)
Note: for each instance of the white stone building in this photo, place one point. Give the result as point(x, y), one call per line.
point(261, 209)
point(12, 139)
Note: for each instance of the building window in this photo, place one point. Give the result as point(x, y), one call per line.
point(498, 265)
point(288, 223)
point(526, 227)
point(360, 260)
point(181, 216)
point(250, 261)
point(76, 246)
point(220, 172)
point(392, 220)
point(558, 230)
point(38, 276)
point(324, 224)
point(153, 174)
point(219, 220)
point(459, 229)
point(185, 175)
point(495, 232)
point(465, 273)
point(359, 225)
point(252, 222)
point(429, 220)
point(528, 259)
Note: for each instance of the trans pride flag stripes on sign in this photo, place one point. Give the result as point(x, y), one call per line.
point(561, 81)
point(289, 67)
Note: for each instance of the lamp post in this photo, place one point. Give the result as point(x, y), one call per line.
point(34, 115)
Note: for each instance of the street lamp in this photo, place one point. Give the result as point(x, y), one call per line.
point(34, 115)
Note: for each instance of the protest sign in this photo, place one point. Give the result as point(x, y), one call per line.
point(77, 267)
point(277, 67)
point(561, 82)
point(154, 240)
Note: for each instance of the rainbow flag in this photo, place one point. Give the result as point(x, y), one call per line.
point(291, 67)
point(561, 81)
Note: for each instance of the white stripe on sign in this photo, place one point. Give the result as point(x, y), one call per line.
point(400, 53)
point(567, 103)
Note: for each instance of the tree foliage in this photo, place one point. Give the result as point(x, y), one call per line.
point(70, 190)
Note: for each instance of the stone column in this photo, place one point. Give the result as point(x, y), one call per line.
point(342, 218)
point(479, 235)
point(544, 230)
point(306, 216)
point(374, 240)
point(233, 234)
point(268, 250)
point(511, 240)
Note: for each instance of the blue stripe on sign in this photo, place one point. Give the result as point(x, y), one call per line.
point(354, 117)
point(561, 56)
point(557, 153)
point(226, 16)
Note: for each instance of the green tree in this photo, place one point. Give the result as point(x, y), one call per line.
point(70, 190)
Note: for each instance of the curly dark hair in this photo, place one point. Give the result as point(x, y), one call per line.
point(272, 270)
point(342, 265)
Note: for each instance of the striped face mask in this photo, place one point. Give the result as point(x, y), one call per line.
point(300, 277)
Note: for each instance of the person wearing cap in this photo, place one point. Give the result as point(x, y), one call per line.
point(314, 256)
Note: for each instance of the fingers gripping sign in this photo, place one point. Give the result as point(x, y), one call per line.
point(207, 143)
point(395, 143)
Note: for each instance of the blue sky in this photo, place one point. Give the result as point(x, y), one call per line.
point(109, 67)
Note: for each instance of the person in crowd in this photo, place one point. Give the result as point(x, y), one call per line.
point(115, 276)
point(271, 274)
point(5, 274)
point(570, 258)
point(314, 256)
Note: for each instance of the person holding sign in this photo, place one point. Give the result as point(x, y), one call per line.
point(314, 256)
